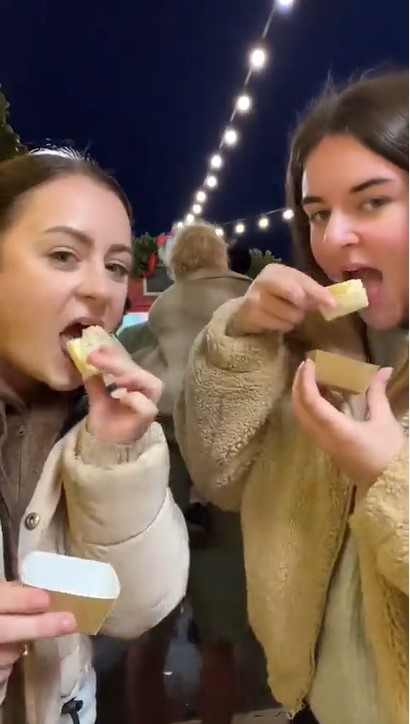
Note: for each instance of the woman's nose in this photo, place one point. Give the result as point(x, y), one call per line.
point(94, 284)
point(340, 231)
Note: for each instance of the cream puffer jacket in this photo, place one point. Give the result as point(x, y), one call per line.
point(108, 504)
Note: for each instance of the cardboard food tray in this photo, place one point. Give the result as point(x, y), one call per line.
point(87, 589)
point(341, 373)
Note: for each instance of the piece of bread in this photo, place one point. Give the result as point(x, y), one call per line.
point(80, 348)
point(350, 297)
point(341, 373)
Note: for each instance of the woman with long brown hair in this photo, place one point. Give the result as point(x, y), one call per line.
point(321, 481)
point(81, 473)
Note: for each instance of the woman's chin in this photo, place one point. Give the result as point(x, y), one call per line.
point(382, 318)
point(64, 377)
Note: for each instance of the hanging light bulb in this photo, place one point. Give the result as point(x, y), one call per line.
point(197, 209)
point(244, 103)
point(285, 4)
point(211, 181)
point(287, 215)
point(189, 219)
point(180, 224)
point(258, 58)
point(216, 161)
point(201, 196)
point(230, 137)
point(219, 231)
point(263, 222)
point(240, 228)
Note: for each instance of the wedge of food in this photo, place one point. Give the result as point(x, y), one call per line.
point(80, 348)
point(350, 297)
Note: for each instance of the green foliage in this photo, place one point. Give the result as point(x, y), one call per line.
point(259, 260)
point(144, 247)
point(10, 143)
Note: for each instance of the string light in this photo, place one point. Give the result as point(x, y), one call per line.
point(244, 103)
point(230, 137)
point(211, 181)
point(285, 4)
point(180, 224)
point(287, 215)
point(240, 226)
point(197, 209)
point(216, 161)
point(258, 58)
point(263, 222)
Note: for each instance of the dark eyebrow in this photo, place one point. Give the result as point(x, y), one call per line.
point(354, 190)
point(85, 239)
point(371, 182)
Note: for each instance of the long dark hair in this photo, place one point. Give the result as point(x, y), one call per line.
point(375, 111)
point(22, 174)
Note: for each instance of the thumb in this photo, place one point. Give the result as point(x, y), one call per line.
point(377, 401)
point(95, 389)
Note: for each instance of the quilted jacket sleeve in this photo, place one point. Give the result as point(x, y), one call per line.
point(120, 510)
point(231, 387)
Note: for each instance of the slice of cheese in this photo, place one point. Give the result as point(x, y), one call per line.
point(341, 373)
point(350, 297)
point(80, 348)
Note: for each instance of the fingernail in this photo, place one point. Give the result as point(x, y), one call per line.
point(118, 393)
point(68, 623)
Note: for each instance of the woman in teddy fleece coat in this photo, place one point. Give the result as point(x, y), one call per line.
point(321, 480)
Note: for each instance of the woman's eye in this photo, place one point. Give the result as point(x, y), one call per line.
point(376, 203)
point(63, 256)
point(318, 217)
point(118, 271)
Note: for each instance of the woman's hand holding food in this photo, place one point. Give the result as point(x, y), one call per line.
point(124, 416)
point(278, 301)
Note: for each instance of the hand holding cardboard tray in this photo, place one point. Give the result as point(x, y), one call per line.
point(87, 589)
point(341, 373)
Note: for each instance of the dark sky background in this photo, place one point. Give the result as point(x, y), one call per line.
point(147, 88)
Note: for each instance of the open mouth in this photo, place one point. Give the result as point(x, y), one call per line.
point(371, 278)
point(72, 331)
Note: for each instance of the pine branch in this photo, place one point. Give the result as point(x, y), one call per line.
point(10, 142)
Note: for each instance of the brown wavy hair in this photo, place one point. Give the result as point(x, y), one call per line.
point(22, 174)
point(195, 247)
point(375, 111)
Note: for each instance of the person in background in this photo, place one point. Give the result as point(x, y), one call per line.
point(197, 260)
point(81, 473)
point(137, 337)
point(321, 479)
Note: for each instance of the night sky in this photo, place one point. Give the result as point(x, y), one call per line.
point(147, 88)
